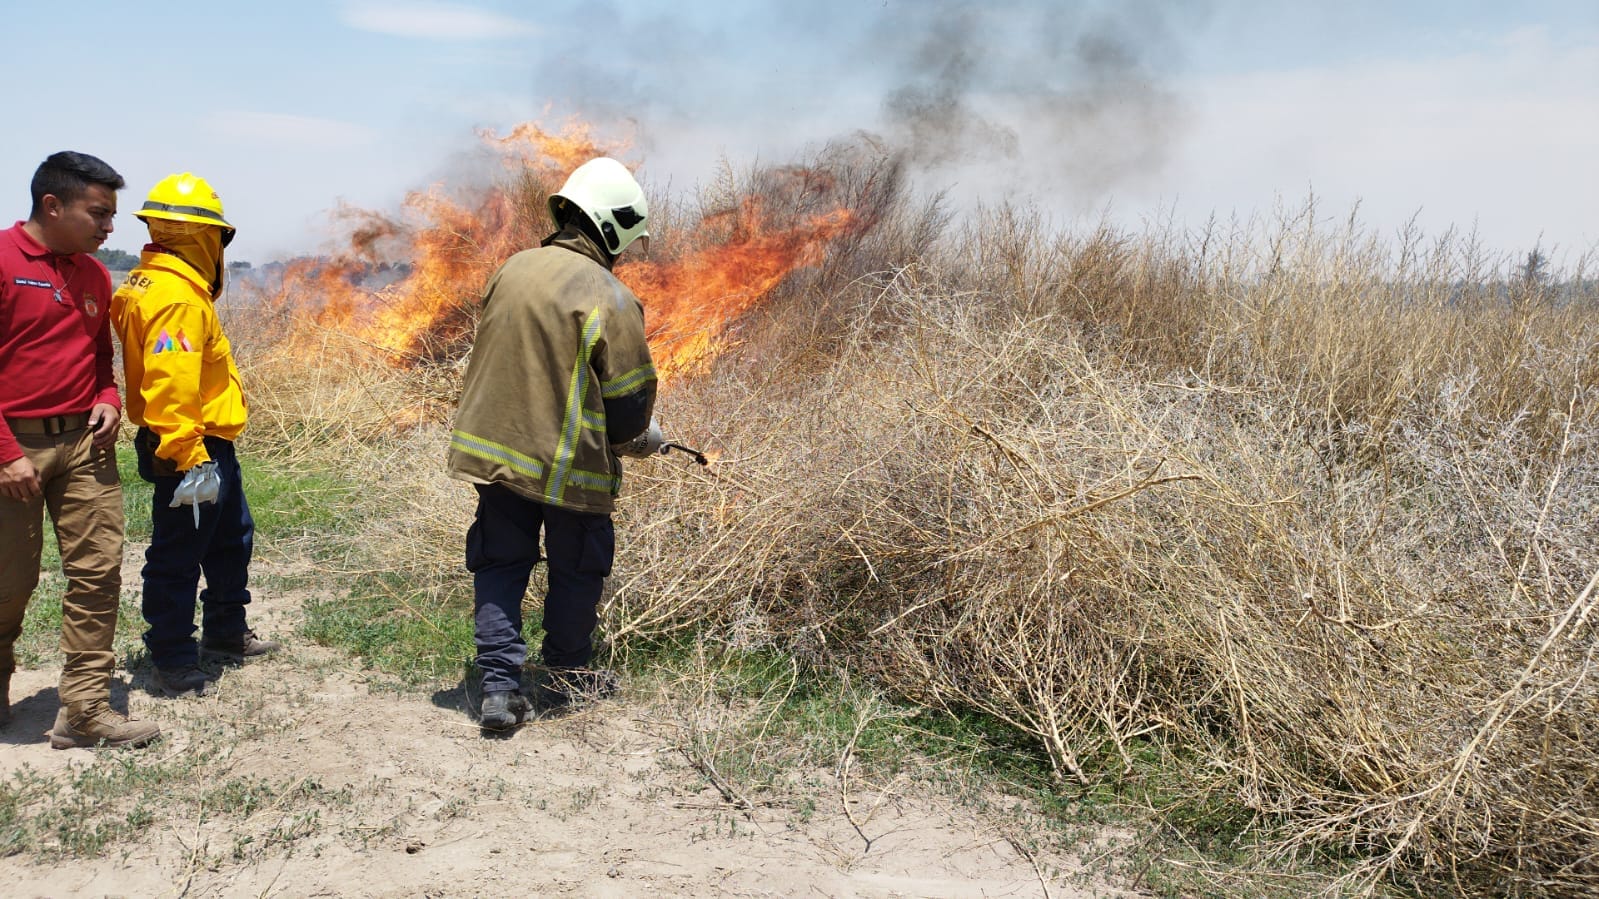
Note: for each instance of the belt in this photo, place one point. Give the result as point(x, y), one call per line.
point(55, 424)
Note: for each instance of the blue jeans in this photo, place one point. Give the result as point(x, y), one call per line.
point(220, 547)
point(502, 547)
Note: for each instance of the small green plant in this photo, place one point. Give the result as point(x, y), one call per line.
point(394, 627)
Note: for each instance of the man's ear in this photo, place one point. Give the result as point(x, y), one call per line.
point(51, 204)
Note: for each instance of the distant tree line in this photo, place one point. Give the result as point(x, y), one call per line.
point(116, 260)
point(119, 261)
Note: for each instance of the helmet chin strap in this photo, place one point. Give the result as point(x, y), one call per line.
point(587, 226)
point(574, 221)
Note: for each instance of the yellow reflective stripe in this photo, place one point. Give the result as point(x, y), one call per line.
point(589, 480)
point(628, 382)
point(576, 391)
point(473, 445)
point(594, 421)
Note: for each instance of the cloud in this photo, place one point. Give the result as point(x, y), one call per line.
point(433, 21)
point(1499, 135)
point(291, 131)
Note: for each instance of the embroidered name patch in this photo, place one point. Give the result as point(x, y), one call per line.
point(166, 344)
point(30, 282)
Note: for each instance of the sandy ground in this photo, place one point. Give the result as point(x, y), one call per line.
point(386, 792)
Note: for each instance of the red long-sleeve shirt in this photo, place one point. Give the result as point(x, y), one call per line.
point(55, 334)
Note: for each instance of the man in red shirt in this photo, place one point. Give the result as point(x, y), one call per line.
point(58, 429)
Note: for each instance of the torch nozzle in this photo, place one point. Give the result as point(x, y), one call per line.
point(698, 456)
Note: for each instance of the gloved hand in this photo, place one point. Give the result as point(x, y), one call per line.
point(200, 485)
point(646, 444)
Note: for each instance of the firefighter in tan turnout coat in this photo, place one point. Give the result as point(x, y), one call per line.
point(559, 373)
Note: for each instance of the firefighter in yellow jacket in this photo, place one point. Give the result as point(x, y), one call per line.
point(559, 375)
point(184, 394)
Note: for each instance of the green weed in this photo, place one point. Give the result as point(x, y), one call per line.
point(394, 628)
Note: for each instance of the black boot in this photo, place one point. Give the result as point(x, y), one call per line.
point(502, 709)
point(182, 681)
point(238, 648)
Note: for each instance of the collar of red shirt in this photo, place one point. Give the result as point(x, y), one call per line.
point(27, 244)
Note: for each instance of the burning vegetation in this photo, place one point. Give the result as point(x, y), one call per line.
point(1281, 527)
point(405, 287)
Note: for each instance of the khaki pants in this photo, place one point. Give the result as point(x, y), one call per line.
point(84, 496)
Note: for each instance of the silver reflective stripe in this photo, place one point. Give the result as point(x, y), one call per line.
point(588, 480)
point(200, 211)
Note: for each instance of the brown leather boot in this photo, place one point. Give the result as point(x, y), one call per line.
point(93, 724)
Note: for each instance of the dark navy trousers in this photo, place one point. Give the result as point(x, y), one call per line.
point(179, 552)
point(502, 547)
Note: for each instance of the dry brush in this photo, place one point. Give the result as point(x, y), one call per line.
point(1305, 517)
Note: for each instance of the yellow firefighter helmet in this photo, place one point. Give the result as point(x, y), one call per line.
point(186, 197)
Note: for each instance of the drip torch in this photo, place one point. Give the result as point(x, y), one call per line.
point(653, 443)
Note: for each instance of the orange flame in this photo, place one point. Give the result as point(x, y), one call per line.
point(440, 250)
point(435, 255)
point(689, 303)
point(530, 146)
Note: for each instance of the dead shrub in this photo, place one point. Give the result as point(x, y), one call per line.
point(1306, 518)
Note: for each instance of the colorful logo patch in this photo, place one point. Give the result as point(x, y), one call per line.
point(166, 344)
point(90, 305)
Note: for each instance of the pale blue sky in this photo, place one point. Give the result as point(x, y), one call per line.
point(1470, 113)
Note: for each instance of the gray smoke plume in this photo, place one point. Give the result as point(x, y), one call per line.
point(994, 94)
point(932, 116)
point(1072, 93)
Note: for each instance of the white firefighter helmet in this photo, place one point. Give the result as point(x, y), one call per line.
point(605, 191)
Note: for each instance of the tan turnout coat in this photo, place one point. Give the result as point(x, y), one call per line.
point(559, 335)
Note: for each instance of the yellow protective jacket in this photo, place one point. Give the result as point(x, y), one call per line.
point(181, 380)
point(559, 338)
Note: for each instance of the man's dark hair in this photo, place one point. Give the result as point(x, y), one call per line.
point(67, 175)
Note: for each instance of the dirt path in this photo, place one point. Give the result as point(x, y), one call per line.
point(383, 792)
